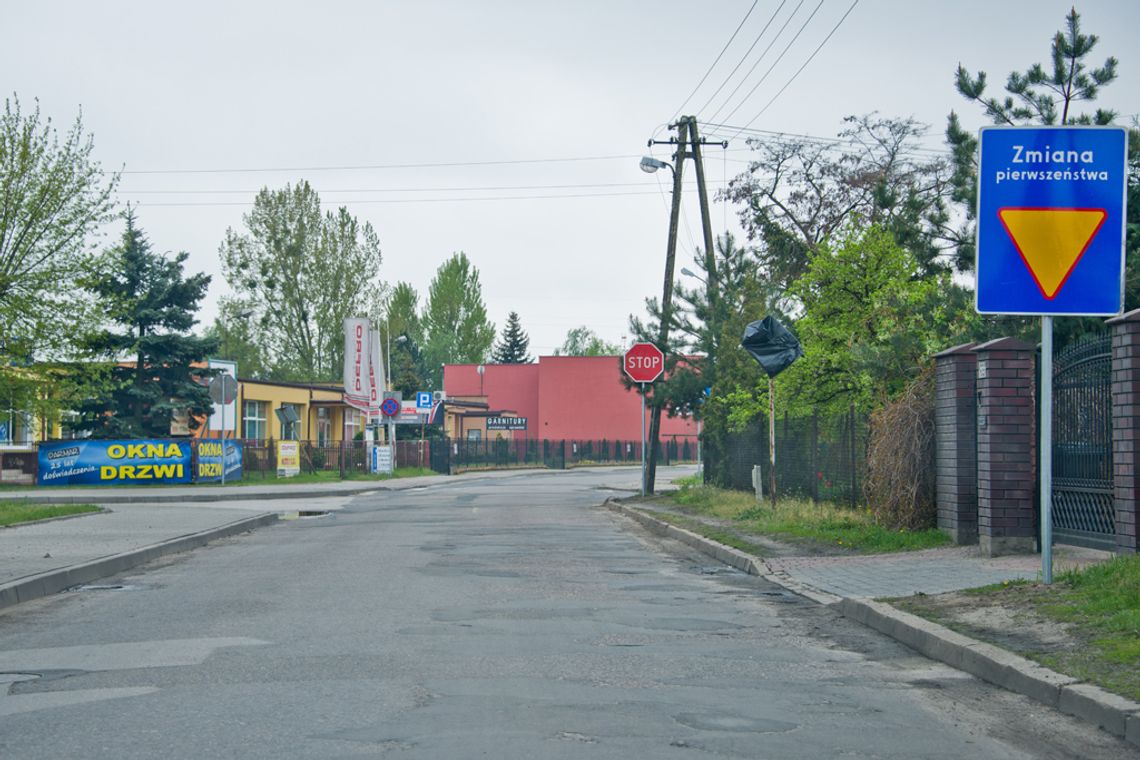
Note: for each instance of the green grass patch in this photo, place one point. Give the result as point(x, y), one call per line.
point(822, 523)
point(1103, 603)
point(13, 512)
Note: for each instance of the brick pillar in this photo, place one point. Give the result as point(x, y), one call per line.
point(1126, 427)
point(956, 428)
point(1007, 463)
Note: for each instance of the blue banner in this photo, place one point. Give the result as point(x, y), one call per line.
point(63, 463)
point(209, 468)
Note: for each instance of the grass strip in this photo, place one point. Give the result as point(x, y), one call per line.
point(13, 512)
point(821, 523)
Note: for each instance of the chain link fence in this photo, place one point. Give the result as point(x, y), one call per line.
point(818, 457)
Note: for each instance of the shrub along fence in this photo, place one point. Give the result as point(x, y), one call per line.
point(818, 457)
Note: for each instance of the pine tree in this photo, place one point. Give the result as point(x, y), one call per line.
point(512, 349)
point(153, 304)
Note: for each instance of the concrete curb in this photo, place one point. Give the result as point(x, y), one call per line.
point(1113, 713)
point(54, 581)
point(155, 496)
point(726, 554)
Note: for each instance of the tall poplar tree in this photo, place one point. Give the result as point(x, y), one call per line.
point(455, 322)
point(152, 303)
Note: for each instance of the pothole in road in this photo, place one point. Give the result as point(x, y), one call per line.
point(735, 723)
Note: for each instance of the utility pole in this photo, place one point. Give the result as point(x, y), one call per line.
point(714, 323)
point(667, 295)
point(686, 135)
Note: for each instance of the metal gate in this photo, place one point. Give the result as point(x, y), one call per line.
point(1083, 510)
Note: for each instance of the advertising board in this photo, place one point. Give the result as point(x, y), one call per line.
point(117, 463)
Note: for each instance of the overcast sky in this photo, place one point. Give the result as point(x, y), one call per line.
point(202, 104)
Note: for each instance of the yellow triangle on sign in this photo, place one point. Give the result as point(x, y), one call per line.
point(1051, 240)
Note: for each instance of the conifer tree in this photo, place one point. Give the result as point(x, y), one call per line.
point(514, 345)
point(152, 304)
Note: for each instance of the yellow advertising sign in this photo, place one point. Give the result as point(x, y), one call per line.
point(288, 459)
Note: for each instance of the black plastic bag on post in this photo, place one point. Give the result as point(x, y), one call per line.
point(771, 344)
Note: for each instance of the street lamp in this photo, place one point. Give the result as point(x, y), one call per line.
point(689, 273)
point(649, 165)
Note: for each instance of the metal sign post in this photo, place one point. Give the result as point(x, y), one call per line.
point(643, 472)
point(1047, 449)
point(223, 390)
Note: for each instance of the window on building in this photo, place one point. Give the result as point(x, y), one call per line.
point(324, 425)
point(254, 422)
point(474, 435)
point(353, 423)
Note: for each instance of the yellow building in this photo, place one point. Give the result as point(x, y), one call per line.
point(321, 414)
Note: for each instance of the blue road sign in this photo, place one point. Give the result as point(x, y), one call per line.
point(1051, 220)
point(423, 399)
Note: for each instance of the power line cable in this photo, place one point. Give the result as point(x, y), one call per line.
point(777, 61)
point(489, 188)
point(718, 57)
point(723, 129)
point(418, 200)
point(359, 167)
point(756, 63)
point(805, 63)
point(744, 57)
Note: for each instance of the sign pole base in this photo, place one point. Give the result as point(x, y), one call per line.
point(1046, 425)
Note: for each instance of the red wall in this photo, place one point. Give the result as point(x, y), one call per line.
point(508, 387)
point(563, 397)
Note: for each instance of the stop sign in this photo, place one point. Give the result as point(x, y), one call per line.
point(643, 362)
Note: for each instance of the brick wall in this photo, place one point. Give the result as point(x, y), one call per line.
point(1125, 427)
point(956, 443)
point(1006, 446)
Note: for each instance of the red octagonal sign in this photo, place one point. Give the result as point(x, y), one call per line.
point(644, 362)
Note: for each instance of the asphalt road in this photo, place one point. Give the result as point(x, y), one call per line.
point(504, 618)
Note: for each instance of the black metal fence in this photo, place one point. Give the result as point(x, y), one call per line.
point(259, 457)
point(1083, 506)
point(818, 457)
point(463, 455)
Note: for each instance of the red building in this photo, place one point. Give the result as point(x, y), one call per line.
point(561, 397)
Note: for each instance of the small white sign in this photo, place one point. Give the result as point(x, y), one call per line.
point(382, 460)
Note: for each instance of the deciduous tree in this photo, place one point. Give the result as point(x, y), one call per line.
point(582, 341)
point(302, 272)
point(455, 323)
point(53, 197)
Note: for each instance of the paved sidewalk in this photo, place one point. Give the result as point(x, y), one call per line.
point(932, 571)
